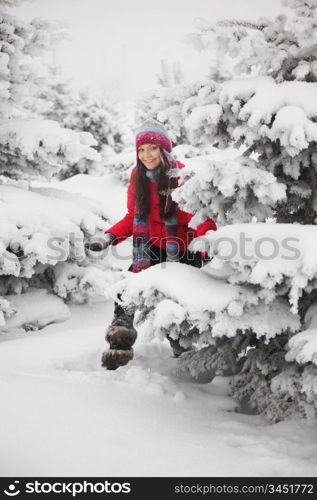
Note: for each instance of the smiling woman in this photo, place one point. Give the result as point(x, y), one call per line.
point(150, 156)
point(160, 229)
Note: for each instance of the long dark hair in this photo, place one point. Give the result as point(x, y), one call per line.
point(163, 184)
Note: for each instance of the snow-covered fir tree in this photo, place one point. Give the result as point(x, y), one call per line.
point(42, 230)
point(169, 96)
point(57, 99)
point(171, 74)
point(102, 118)
point(30, 147)
point(109, 122)
point(262, 193)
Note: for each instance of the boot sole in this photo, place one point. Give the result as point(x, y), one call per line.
point(113, 358)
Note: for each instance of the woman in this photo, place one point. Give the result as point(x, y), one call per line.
point(159, 229)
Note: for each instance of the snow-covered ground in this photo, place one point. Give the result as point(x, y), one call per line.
point(63, 415)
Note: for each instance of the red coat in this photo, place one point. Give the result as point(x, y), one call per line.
point(124, 228)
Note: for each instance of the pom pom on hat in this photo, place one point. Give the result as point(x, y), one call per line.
point(153, 132)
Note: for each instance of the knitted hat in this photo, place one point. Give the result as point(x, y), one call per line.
point(153, 132)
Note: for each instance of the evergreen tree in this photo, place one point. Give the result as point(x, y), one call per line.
point(110, 123)
point(101, 119)
point(58, 98)
point(263, 195)
point(33, 220)
point(30, 147)
point(166, 99)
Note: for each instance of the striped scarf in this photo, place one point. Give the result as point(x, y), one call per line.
point(141, 229)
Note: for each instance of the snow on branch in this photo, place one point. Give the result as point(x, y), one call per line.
point(229, 23)
point(259, 107)
point(279, 258)
point(227, 190)
point(302, 347)
point(42, 236)
point(206, 310)
point(31, 148)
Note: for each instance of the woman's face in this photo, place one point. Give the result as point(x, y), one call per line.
point(149, 154)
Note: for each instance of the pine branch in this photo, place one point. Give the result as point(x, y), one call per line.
point(310, 213)
point(228, 23)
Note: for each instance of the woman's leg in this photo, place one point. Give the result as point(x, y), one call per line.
point(121, 336)
point(122, 316)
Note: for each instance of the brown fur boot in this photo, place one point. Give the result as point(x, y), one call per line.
point(121, 340)
point(113, 358)
point(121, 337)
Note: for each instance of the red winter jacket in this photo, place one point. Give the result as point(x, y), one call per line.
point(124, 228)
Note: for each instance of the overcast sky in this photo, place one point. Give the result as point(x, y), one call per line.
point(120, 43)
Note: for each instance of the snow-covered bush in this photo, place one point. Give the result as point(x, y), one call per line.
point(42, 238)
point(102, 118)
point(206, 314)
point(278, 389)
point(33, 148)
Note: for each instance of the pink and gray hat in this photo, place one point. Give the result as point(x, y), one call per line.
point(153, 132)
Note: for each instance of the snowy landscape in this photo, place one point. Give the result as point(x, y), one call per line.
point(242, 399)
point(66, 416)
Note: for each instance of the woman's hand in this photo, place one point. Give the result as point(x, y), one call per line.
point(99, 242)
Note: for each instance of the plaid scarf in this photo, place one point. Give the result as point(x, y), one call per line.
point(141, 230)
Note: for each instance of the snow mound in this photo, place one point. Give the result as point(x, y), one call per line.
point(152, 382)
point(35, 309)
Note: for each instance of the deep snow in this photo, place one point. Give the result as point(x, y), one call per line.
point(63, 415)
